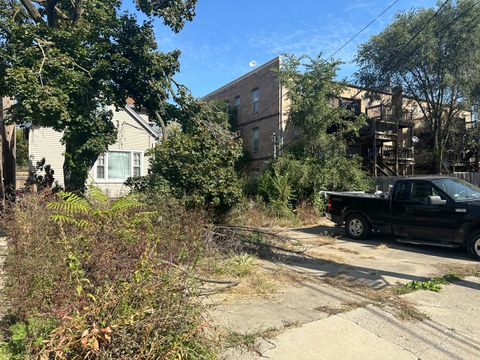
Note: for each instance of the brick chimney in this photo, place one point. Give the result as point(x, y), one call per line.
point(130, 101)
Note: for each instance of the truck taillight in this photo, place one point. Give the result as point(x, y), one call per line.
point(329, 204)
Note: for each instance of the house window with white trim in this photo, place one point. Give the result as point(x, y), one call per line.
point(137, 163)
point(118, 165)
point(101, 167)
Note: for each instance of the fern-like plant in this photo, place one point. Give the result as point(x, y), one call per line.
point(68, 209)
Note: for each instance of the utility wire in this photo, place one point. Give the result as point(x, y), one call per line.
point(362, 30)
point(422, 28)
point(342, 47)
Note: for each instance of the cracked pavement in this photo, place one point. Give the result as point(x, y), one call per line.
point(450, 330)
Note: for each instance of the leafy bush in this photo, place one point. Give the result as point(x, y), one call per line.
point(100, 279)
point(291, 180)
point(275, 189)
point(199, 166)
point(40, 182)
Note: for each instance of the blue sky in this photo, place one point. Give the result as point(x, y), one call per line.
point(226, 34)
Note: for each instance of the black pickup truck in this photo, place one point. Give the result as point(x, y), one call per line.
point(430, 210)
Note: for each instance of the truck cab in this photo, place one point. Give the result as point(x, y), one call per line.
point(441, 211)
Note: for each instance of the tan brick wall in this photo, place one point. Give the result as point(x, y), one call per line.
point(267, 119)
point(274, 107)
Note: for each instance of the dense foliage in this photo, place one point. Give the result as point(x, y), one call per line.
point(22, 150)
point(104, 280)
point(197, 161)
point(316, 158)
point(65, 61)
point(439, 68)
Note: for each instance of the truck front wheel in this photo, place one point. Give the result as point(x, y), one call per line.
point(357, 227)
point(473, 245)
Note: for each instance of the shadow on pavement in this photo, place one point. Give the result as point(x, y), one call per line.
point(376, 239)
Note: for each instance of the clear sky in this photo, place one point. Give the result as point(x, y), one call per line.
point(227, 34)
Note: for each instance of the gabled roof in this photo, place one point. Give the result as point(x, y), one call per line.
point(136, 116)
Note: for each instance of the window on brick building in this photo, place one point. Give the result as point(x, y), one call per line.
point(256, 139)
point(255, 97)
point(237, 101)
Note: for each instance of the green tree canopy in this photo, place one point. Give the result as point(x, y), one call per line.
point(197, 161)
point(440, 67)
point(321, 128)
point(65, 61)
point(316, 158)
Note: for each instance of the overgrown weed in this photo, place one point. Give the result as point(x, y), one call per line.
point(102, 279)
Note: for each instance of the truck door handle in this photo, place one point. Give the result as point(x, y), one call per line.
point(409, 210)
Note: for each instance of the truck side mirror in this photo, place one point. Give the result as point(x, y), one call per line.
point(436, 200)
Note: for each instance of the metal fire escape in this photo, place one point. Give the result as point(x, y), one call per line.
point(386, 143)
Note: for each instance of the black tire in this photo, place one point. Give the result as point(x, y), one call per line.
point(473, 245)
point(357, 227)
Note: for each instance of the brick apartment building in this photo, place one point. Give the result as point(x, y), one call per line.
point(386, 144)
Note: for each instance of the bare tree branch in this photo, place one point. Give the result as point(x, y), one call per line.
point(61, 13)
point(162, 125)
point(32, 11)
point(43, 61)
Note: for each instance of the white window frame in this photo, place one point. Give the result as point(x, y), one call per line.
point(237, 101)
point(105, 165)
point(97, 165)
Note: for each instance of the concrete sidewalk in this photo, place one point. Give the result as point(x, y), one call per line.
point(452, 331)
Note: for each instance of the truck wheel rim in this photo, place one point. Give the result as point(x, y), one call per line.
point(476, 246)
point(356, 227)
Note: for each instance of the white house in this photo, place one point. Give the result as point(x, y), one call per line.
point(123, 159)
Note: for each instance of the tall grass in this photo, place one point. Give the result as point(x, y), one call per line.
point(91, 278)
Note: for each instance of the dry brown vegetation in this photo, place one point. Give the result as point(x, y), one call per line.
point(256, 214)
point(387, 298)
point(103, 280)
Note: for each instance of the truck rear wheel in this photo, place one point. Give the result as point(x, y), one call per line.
point(357, 227)
point(473, 245)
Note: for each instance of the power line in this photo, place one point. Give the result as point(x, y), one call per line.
point(422, 28)
point(343, 46)
point(362, 30)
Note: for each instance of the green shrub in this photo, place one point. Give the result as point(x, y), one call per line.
point(276, 191)
point(198, 166)
point(290, 180)
point(99, 274)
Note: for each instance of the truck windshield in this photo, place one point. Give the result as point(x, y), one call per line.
point(457, 189)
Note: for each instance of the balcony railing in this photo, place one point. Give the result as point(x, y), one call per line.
point(388, 152)
point(384, 114)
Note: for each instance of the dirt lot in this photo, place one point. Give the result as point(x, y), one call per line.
point(344, 299)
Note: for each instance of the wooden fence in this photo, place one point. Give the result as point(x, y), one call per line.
point(383, 182)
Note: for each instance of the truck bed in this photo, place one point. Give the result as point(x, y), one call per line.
point(374, 207)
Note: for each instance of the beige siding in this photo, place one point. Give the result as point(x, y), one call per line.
point(45, 143)
point(132, 136)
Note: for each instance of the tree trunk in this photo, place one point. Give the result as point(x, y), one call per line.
point(32, 11)
point(75, 168)
point(2, 185)
point(438, 154)
point(162, 125)
point(9, 158)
